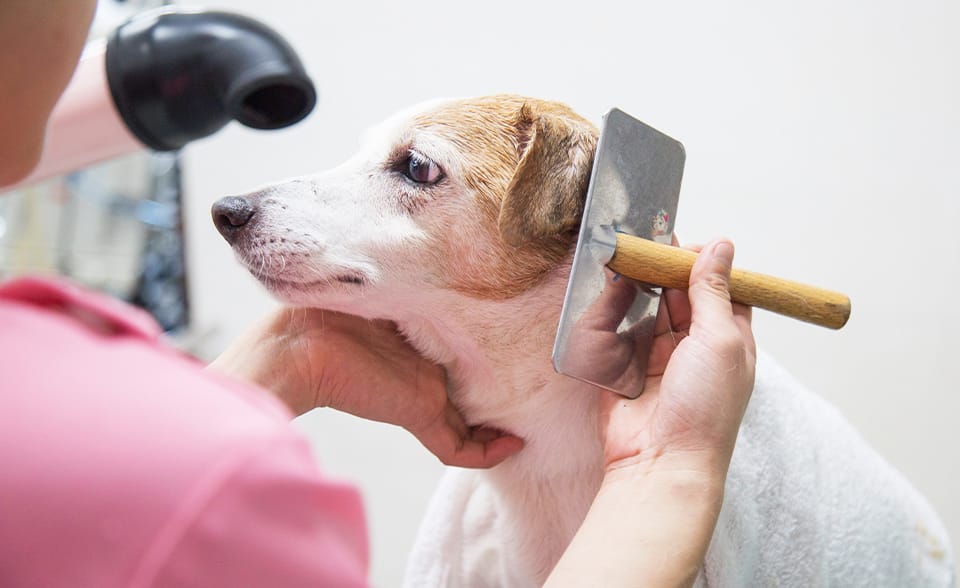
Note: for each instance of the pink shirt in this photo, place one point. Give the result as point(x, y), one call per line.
point(124, 463)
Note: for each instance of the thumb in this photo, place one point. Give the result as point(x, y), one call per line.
point(710, 283)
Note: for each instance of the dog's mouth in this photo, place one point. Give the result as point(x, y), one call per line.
point(275, 283)
point(286, 273)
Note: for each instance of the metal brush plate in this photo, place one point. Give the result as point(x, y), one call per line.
point(607, 321)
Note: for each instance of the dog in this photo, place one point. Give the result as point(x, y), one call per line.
point(457, 221)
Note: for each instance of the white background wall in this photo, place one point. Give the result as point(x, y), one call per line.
point(822, 136)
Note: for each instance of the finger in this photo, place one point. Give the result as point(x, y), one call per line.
point(677, 303)
point(661, 350)
point(743, 317)
point(489, 453)
point(663, 317)
point(454, 443)
point(485, 434)
point(710, 285)
point(678, 307)
point(467, 452)
point(673, 313)
point(743, 312)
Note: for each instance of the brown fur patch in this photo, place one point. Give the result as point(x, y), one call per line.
point(546, 195)
point(527, 162)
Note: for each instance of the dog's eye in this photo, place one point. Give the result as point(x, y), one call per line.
point(422, 170)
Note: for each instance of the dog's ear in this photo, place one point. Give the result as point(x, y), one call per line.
point(546, 196)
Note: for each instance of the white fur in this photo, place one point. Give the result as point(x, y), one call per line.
point(508, 526)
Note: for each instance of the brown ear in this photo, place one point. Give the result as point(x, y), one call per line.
point(545, 198)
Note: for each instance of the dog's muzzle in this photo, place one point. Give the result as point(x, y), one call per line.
point(231, 215)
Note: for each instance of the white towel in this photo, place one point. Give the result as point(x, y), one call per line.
point(807, 503)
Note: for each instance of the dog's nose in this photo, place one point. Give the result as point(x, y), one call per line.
point(230, 215)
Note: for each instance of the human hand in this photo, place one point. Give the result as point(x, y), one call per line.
point(667, 451)
point(312, 358)
point(699, 378)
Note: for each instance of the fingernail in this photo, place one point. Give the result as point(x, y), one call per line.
point(723, 249)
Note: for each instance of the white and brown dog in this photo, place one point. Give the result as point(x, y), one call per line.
point(457, 221)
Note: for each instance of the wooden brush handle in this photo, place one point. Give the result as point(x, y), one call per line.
point(666, 266)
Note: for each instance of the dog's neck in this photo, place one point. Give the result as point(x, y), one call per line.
point(497, 356)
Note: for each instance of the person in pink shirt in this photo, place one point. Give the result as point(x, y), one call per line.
point(126, 463)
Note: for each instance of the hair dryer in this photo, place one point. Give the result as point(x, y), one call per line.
point(168, 77)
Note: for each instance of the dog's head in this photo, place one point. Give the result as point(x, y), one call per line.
point(481, 196)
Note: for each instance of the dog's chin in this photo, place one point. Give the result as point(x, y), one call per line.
point(310, 290)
